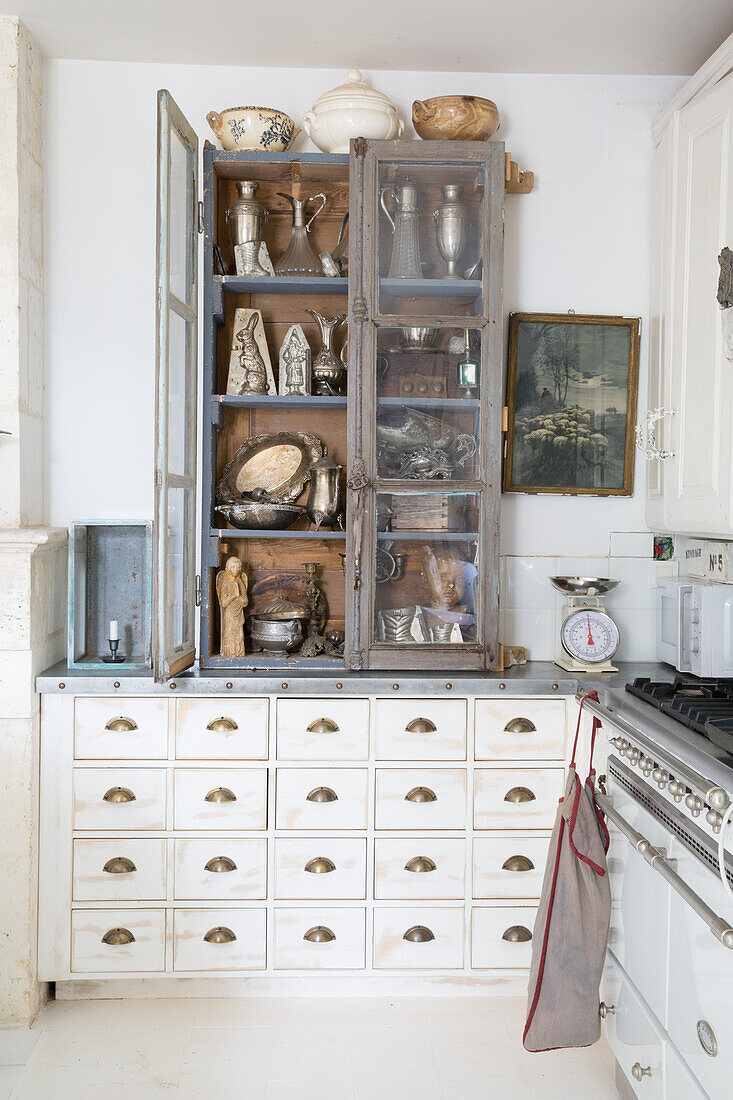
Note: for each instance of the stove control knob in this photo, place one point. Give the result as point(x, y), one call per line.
point(694, 804)
point(677, 790)
point(647, 765)
point(634, 756)
point(661, 777)
point(714, 819)
point(620, 744)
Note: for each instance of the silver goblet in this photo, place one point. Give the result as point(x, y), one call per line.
point(451, 227)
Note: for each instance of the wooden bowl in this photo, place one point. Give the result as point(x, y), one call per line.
point(455, 118)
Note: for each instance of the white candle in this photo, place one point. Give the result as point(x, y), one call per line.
point(114, 630)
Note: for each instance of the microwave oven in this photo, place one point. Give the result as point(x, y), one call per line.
point(695, 626)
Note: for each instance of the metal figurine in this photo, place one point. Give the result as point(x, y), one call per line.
point(299, 259)
point(329, 374)
point(412, 444)
point(250, 370)
point(397, 624)
point(295, 364)
point(325, 502)
point(451, 227)
point(231, 589)
point(405, 261)
point(247, 218)
point(316, 642)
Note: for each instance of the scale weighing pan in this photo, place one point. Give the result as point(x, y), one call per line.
point(583, 586)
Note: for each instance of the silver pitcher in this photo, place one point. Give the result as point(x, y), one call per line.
point(405, 262)
point(451, 227)
point(329, 374)
point(324, 506)
point(247, 218)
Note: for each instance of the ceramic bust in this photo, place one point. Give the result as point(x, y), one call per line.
point(445, 580)
point(231, 589)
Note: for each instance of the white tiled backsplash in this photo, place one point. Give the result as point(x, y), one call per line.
point(532, 609)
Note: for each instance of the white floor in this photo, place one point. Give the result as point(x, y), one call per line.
point(375, 1048)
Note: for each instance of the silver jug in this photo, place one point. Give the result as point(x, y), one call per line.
point(247, 218)
point(405, 262)
point(329, 375)
point(451, 227)
point(324, 506)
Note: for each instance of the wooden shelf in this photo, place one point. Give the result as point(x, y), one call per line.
point(237, 533)
point(462, 403)
point(276, 284)
point(431, 288)
point(427, 536)
point(270, 402)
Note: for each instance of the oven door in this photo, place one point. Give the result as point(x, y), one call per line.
point(640, 900)
point(700, 1021)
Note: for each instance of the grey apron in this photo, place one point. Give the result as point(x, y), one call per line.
point(571, 931)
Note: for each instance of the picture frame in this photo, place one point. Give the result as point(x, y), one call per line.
point(572, 386)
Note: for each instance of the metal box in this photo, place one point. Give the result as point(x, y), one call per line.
point(110, 577)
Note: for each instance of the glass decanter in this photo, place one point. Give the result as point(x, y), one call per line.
point(299, 259)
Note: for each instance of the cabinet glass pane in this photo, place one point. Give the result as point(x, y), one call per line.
point(428, 424)
point(181, 199)
point(177, 609)
point(178, 427)
point(429, 240)
point(426, 573)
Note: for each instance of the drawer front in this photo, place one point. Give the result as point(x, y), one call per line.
point(320, 939)
point(296, 810)
point(679, 1084)
point(229, 870)
point(499, 937)
point(203, 798)
point(119, 870)
point(418, 939)
point(509, 866)
point(420, 798)
point(510, 798)
point(221, 729)
point(119, 798)
point(323, 729)
point(319, 868)
point(520, 729)
point(423, 868)
point(121, 729)
point(421, 729)
point(219, 939)
point(145, 953)
point(635, 1037)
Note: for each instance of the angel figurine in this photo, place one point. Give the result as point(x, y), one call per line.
point(231, 589)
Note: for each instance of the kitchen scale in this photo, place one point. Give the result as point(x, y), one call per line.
point(588, 636)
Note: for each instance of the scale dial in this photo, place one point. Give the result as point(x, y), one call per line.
point(589, 636)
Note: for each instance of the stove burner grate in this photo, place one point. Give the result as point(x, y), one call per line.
point(705, 706)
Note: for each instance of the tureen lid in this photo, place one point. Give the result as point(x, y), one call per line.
point(280, 610)
point(353, 87)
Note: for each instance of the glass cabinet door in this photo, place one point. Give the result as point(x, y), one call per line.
point(426, 333)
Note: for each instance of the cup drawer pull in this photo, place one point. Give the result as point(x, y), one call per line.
point(518, 863)
point(121, 725)
point(520, 725)
point(421, 794)
point(118, 937)
point(320, 866)
point(322, 794)
point(520, 794)
point(323, 725)
point(418, 934)
point(220, 864)
point(420, 863)
point(420, 725)
point(220, 794)
point(319, 934)
point(219, 935)
point(119, 794)
point(517, 934)
point(120, 865)
point(222, 725)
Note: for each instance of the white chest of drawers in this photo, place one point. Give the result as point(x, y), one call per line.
point(282, 833)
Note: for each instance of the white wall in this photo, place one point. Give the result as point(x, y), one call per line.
point(580, 241)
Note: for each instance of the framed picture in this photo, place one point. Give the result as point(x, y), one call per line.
point(571, 392)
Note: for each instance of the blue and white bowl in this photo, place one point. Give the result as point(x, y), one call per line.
point(253, 128)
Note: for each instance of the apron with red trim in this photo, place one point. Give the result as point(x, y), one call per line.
point(571, 931)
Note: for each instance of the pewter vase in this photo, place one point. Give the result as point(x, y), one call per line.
point(324, 505)
point(247, 218)
point(451, 227)
point(329, 374)
point(299, 259)
point(405, 261)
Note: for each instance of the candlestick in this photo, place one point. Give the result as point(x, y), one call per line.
point(114, 630)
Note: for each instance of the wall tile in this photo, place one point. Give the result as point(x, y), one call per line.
point(636, 588)
point(526, 582)
point(534, 629)
point(631, 544)
point(582, 567)
point(638, 631)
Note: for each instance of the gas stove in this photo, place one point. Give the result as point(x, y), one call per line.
point(705, 706)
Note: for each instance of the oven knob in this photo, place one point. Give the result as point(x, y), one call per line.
point(620, 744)
point(661, 777)
point(694, 804)
point(647, 765)
point(677, 790)
point(714, 819)
point(633, 756)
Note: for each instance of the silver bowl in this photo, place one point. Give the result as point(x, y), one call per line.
point(260, 515)
point(583, 586)
point(418, 337)
point(276, 636)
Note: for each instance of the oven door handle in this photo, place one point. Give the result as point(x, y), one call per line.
point(717, 925)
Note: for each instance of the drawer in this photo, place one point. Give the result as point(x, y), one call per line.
point(420, 798)
point(116, 941)
point(499, 937)
point(318, 868)
point(421, 729)
point(321, 798)
point(119, 870)
point(219, 939)
point(679, 1083)
point(510, 798)
point(635, 1036)
point(121, 729)
point(119, 798)
point(323, 729)
point(231, 798)
point(509, 866)
point(221, 729)
point(320, 939)
point(227, 870)
point(423, 868)
point(520, 729)
point(418, 939)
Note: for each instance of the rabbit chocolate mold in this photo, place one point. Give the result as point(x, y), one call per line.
point(250, 368)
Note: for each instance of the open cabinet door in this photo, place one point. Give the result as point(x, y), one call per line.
point(174, 543)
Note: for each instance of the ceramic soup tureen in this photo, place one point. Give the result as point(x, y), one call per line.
point(351, 110)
